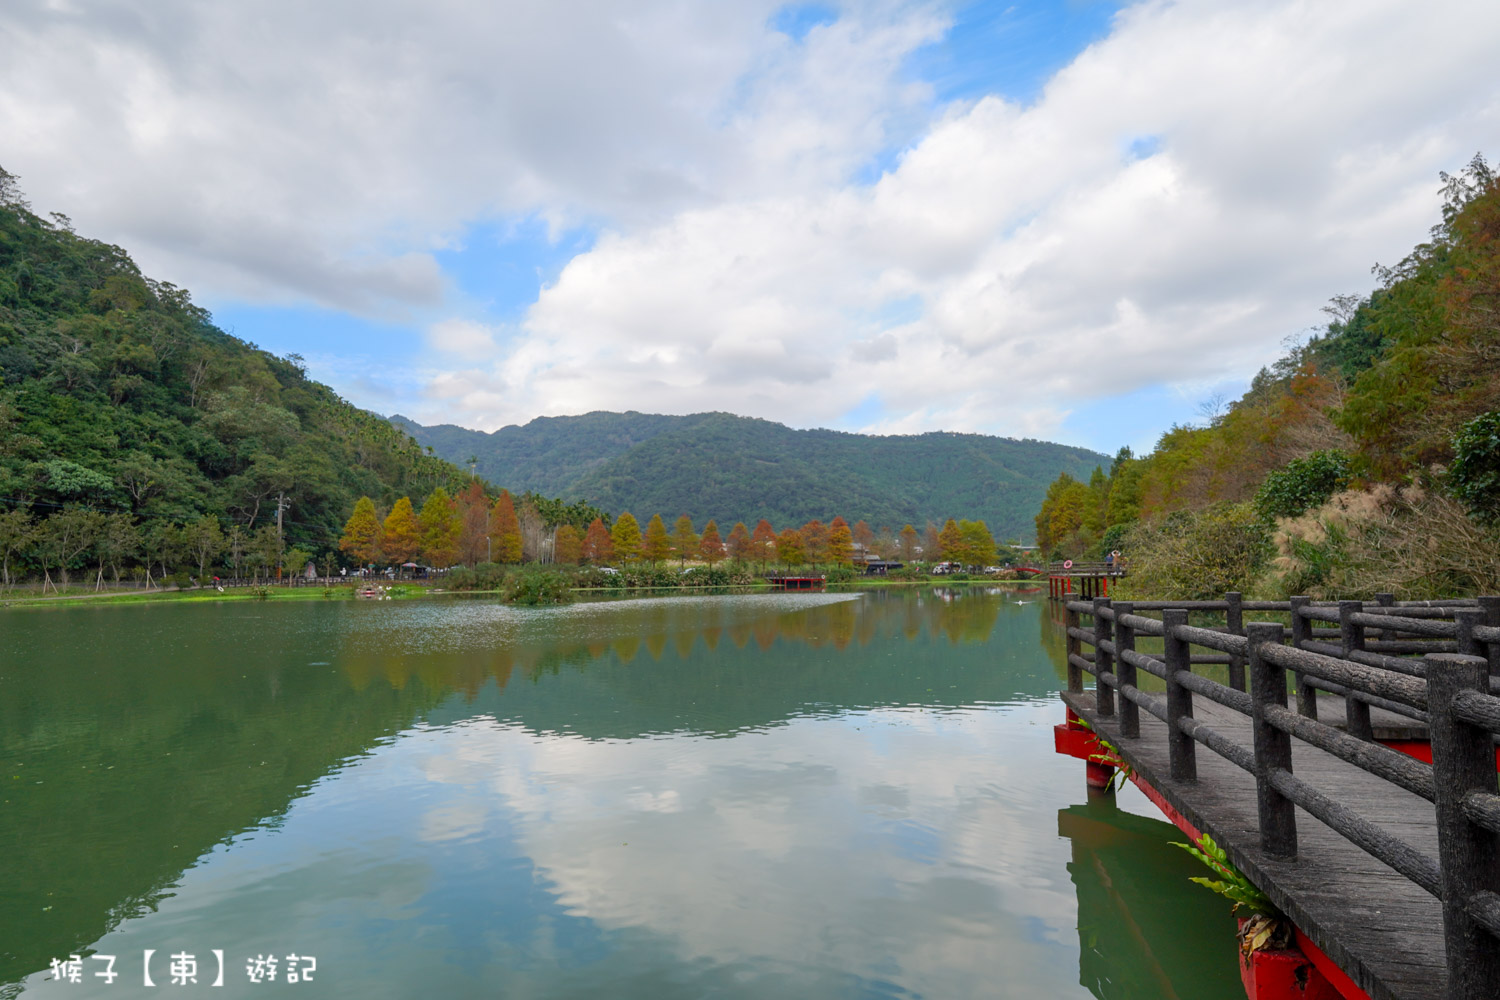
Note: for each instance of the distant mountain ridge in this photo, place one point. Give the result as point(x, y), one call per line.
point(732, 468)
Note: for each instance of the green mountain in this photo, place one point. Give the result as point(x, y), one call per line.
point(117, 394)
point(729, 468)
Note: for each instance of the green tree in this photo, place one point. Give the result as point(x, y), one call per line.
point(1474, 476)
point(711, 546)
point(979, 545)
point(64, 537)
point(657, 546)
point(162, 545)
point(16, 535)
point(401, 536)
point(295, 561)
point(205, 540)
point(118, 540)
point(441, 529)
point(361, 538)
point(684, 540)
point(505, 530)
point(265, 548)
point(626, 536)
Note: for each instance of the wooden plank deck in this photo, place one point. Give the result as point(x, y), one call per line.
point(1380, 928)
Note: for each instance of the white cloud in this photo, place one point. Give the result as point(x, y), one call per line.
point(1294, 145)
point(1016, 261)
point(279, 150)
point(462, 337)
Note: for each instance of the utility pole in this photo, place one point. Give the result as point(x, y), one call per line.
point(281, 505)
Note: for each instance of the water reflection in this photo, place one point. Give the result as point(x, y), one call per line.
point(844, 795)
point(1140, 937)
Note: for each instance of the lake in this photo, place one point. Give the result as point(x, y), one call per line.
point(753, 796)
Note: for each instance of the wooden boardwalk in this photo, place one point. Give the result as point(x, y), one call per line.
point(1378, 926)
point(1387, 862)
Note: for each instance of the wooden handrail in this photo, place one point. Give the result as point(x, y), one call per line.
point(1448, 690)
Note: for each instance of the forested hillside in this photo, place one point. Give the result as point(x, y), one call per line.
point(120, 398)
point(1367, 459)
point(730, 468)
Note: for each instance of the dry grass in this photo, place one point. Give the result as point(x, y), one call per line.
point(1411, 542)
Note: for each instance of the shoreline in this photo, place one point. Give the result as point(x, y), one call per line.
point(9, 601)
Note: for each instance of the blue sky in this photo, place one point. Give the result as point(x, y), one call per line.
point(1062, 219)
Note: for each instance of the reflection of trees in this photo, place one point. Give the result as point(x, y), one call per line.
point(243, 716)
point(137, 763)
point(1144, 931)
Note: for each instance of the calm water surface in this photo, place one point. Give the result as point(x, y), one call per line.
point(741, 797)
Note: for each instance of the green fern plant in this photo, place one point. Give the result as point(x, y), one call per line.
point(1110, 757)
point(1232, 883)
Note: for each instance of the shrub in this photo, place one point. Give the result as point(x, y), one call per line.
point(842, 574)
point(1474, 478)
point(535, 586)
point(1303, 483)
point(1196, 555)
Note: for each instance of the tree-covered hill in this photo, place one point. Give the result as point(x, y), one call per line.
point(730, 468)
point(118, 395)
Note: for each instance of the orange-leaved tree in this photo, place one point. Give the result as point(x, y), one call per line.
point(764, 541)
point(711, 546)
point(474, 514)
point(789, 548)
point(402, 537)
point(840, 542)
point(908, 543)
point(815, 541)
point(361, 540)
point(951, 541)
point(598, 547)
point(741, 548)
point(505, 530)
point(568, 545)
point(684, 540)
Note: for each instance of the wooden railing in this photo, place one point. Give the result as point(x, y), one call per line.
point(1436, 663)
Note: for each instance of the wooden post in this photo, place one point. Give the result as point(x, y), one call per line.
point(1273, 747)
point(1104, 695)
point(1182, 749)
point(1466, 619)
point(1384, 601)
point(1307, 695)
point(1352, 637)
point(1234, 620)
point(1130, 712)
point(1463, 763)
point(1075, 673)
point(1491, 608)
